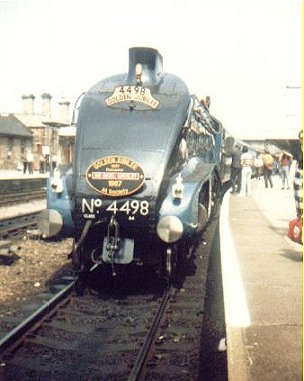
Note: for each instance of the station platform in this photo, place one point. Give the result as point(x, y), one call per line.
point(16, 210)
point(13, 174)
point(262, 285)
point(10, 211)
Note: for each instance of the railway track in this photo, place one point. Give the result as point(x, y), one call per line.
point(25, 335)
point(133, 328)
point(43, 333)
point(21, 197)
point(16, 227)
point(20, 190)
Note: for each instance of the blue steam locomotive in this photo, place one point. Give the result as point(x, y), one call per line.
point(148, 171)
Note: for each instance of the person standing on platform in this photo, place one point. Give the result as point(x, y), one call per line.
point(246, 163)
point(54, 161)
point(41, 163)
point(206, 102)
point(24, 162)
point(236, 170)
point(285, 165)
point(30, 160)
point(267, 168)
point(298, 179)
point(258, 163)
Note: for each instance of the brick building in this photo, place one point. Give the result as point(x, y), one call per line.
point(15, 139)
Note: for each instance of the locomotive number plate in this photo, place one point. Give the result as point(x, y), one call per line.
point(115, 176)
point(132, 93)
point(92, 208)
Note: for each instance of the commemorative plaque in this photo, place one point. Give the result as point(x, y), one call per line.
point(115, 176)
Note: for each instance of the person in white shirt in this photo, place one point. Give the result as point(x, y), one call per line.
point(258, 163)
point(246, 163)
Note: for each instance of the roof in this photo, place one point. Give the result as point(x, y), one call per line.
point(10, 125)
point(33, 120)
point(68, 131)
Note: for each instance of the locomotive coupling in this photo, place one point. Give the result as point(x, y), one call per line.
point(113, 239)
point(116, 249)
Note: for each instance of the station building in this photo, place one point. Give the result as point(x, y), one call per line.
point(15, 137)
point(49, 138)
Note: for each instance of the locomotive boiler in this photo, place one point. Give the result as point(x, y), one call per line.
point(146, 176)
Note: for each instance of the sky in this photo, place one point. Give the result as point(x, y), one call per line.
point(246, 55)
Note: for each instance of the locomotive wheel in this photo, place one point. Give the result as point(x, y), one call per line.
point(82, 264)
point(210, 195)
point(216, 194)
point(176, 270)
point(85, 258)
point(168, 264)
point(205, 205)
point(79, 287)
point(75, 255)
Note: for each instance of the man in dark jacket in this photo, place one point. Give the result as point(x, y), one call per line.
point(236, 170)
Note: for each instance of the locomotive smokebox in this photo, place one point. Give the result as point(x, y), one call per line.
point(145, 66)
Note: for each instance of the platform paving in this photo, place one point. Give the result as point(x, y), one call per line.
point(15, 174)
point(264, 319)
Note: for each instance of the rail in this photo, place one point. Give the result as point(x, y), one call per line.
point(15, 337)
point(142, 355)
point(21, 197)
point(16, 227)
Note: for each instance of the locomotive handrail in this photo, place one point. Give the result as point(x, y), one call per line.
point(187, 123)
point(76, 107)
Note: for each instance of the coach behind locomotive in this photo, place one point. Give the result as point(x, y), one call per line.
point(146, 173)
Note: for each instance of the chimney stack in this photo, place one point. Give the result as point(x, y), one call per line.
point(28, 104)
point(64, 115)
point(46, 104)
